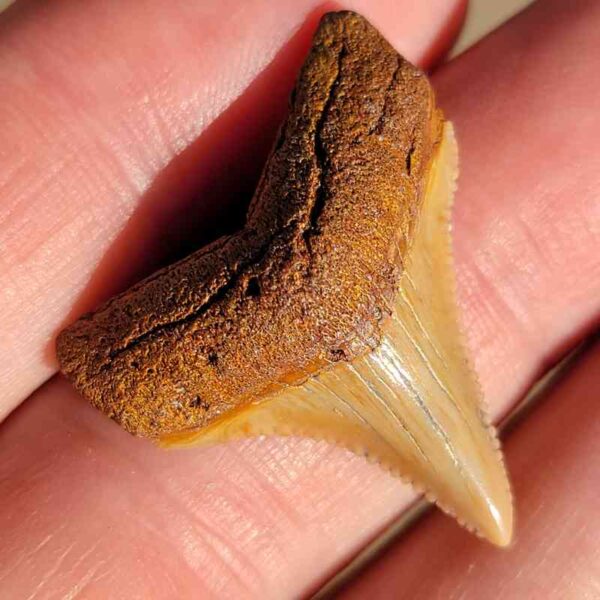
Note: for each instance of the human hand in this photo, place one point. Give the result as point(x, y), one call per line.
point(121, 119)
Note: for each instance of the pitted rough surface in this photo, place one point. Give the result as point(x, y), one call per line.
point(309, 278)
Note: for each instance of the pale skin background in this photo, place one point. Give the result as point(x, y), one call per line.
point(129, 126)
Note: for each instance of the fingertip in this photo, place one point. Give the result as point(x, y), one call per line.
point(447, 35)
point(422, 32)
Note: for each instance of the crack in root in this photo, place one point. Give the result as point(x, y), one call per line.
point(321, 154)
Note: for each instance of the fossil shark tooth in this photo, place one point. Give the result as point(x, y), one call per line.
point(332, 314)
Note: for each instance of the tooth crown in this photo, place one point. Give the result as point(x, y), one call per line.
point(310, 279)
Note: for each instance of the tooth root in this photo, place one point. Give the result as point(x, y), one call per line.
point(412, 404)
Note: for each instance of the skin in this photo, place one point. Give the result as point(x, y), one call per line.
point(273, 517)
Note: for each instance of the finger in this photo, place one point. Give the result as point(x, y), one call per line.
point(527, 214)
point(122, 131)
point(555, 461)
point(271, 516)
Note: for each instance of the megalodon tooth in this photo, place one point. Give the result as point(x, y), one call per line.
point(332, 313)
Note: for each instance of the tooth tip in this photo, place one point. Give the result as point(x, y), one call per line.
point(495, 522)
point(501, 526)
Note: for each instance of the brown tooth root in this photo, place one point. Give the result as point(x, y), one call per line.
point(332, 313)
point(312, 274)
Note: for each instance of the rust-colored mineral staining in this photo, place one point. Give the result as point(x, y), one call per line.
point(308, 279)
point(332, 313)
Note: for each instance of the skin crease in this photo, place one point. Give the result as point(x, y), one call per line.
point(272, 517)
